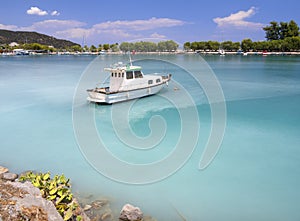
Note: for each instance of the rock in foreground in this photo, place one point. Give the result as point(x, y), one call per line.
point(23, 201)
point(3, 170)
point(131, 213)
point(9, 176)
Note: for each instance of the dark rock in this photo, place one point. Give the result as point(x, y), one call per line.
point(131, 213)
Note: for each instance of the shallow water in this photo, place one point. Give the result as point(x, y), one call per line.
point(255, 174)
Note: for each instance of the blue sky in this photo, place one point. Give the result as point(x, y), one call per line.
point(114, 21)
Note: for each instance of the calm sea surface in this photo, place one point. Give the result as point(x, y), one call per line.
point(254, 176)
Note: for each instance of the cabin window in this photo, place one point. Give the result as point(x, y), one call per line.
point(150, 82)
point(138, 74)
point(129, 74)
point(112, 74)
point(119, 75)
point(122, 74)
point(115, 74)
point(157, 80)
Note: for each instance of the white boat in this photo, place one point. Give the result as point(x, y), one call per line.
point(20, 52)
point(221, 52)
point(127, 82)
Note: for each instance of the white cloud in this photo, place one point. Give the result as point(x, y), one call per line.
point(55, 24)
point(77, 33)
point(55, 13)
point(8, 27)
point(156, 35)
point(238, 20)
point(139, 25)
point(110, 31)
point(36, 11)
point(116, 30)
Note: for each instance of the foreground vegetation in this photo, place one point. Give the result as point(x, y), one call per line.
point(56, 190)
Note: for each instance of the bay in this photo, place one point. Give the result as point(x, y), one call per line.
point(255, 174)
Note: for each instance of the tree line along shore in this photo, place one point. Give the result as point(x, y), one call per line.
point(280, 37)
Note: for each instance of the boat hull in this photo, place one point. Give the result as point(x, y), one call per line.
point(99, 97)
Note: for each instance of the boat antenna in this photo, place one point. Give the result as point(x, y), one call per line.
point(130, 61)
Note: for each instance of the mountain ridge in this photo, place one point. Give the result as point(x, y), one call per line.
point(21, 37)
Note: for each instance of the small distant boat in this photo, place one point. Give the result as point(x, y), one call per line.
point(20, 52)
point(127, 82)
point(221, 52)
point(240, 52)
point(101, 52)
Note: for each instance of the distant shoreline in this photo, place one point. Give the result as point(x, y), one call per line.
point(156, 53)
point(253, 53)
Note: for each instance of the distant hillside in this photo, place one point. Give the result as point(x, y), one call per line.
point(21, 37)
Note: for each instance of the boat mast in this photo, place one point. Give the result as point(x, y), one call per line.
point(130, 61)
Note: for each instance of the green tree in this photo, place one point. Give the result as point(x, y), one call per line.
point(230, 46)
point(274, 45)
point(202, 45)
point(293, 29)
point(187, 46)
point(261, 45)
point(194, 46)
point(171, 45)
point(246, 44)
point(236, 46)
point(167, 46)
point(283, 31)
point(149, 46)
point(139, 46)
point(114, 47)
point(161, 46)
point(272, 31)
point(212, 45)
point(291, 43)
point(105, 47)
point(93, 48)
point(126, 46)
point(76, 48)
point(86, 48)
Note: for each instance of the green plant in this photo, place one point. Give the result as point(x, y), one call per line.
point(56, 190)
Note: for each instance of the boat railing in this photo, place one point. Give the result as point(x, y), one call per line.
point(131, 86)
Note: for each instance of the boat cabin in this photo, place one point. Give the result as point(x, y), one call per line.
point(124, 78)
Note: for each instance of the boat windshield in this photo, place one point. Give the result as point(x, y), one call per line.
point(138, 74)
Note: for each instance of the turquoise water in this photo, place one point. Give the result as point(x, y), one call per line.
point(254, 176)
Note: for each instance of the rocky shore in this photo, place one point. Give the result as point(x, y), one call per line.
point(22, 201)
